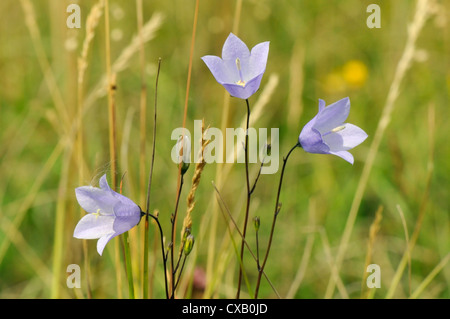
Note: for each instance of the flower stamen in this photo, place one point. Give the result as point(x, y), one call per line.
point(335, 130)
point(241, 82)
point(97, 213)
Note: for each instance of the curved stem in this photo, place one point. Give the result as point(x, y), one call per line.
point(149, 187)
point(162, 251)
point(277, 210)
point(249, 194)
point(181, 270)
point(174, 218)
point(257, 178)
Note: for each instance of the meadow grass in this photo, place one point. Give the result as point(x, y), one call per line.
point(78, 103)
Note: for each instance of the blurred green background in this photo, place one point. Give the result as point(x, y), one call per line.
point(318, 49)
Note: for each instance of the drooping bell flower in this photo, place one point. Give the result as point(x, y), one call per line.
point(109, 213)
point(327, 133)
point(239, 70)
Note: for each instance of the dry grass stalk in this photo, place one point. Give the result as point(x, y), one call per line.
point(91, 23)
point(373, 231)
point(187, 223)
point(148, 33)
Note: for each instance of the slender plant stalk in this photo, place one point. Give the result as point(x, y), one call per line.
point(181, 271)
point(247, 208)
point(257, 177)
point(257, 248)
point(91, 23)
point(180, 177)
point(240, 234)
point(58, 243)
point(44, 64)
point(172, 248)
point(129, 270)
point(163, 255)
point(143, 100)
point(373, 230)
point(275, 215)
point(112, 136)
point(210, 269)
point(145, 283)
point(142, 135)
point(408, 253)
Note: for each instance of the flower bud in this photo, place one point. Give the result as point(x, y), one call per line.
point(186, 233)
point(188, 244)
point(183, 149)
point(256, 222)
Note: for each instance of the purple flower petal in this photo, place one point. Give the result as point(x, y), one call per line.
point(241, 92)
point(345, 155)
point(332, 116)
point(110, 213)
point(234, 48)
point(91, 199)
point(103, 183)
point(346, 138)
point(101, 243)
point(219, 69)
point(311, 140)
point(239, 70)
point(258, 59)
point(327, 133)
point(92, 226)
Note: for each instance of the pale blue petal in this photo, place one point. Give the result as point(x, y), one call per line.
point(91, 199)
point(125, 223)
point(233, 71)
point(311, 140)
point(258, 60)
point(221, 72)
point(127, 209)
point(321, 105)
point(241, 92)
point(93, 226)
point(345, 139)
point(103, 183)
point(101, 243)
point(332, 116)
point(234, 48)
point(345, 155)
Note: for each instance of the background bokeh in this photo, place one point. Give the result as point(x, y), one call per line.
point(318, 49)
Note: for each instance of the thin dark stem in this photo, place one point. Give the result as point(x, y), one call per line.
point(164, 257)
point(257, 178)
point(179, 258)
point(257, 249)
point(154, 140)
point(181, 271)
point(239, 232)
point(277, 210)
point(145, 283)
point(249, 194)
point(174, 218)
